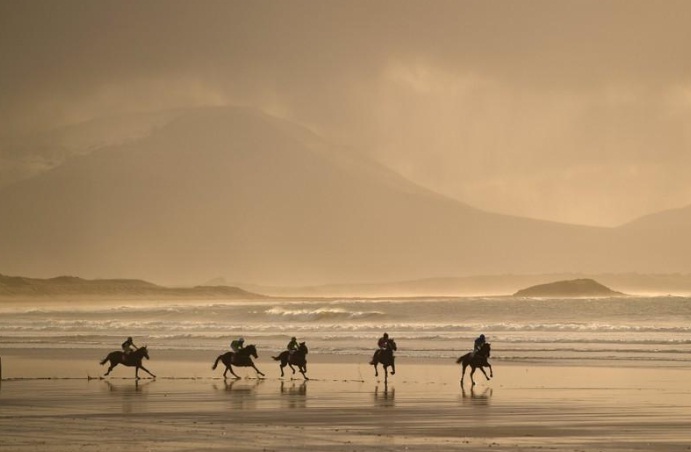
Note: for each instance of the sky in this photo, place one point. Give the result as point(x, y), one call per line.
point(571, 111)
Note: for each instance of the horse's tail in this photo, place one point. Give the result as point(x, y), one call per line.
point(104, 360)
point(458, 361)
point(216, 363)
point(276, 358)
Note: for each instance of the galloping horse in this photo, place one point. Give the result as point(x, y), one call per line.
point(297, 358)
point(476, 361)
point(386, 358)
point(128, 359)
point(243, 358)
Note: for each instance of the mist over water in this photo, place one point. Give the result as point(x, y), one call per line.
point(649, 329)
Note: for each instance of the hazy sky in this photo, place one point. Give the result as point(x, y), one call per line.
point(575, 111)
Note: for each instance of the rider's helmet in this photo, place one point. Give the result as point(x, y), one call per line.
point(482, 336)
point(241, 340)
point(386, 335)
point(129, 338)
point(294, 338)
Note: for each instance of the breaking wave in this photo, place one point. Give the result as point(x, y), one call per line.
point(322, 313)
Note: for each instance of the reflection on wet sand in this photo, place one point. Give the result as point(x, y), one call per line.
point(385, 398)
point(296, 394)
point(133, 395)
point(476, 397)
point(242, 392)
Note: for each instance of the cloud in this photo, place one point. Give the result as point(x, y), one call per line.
point(477, 99)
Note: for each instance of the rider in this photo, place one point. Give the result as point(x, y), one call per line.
point(292, 345)
point(128, 346)
point(479, 342)
point(382, 343)
point(238, 344)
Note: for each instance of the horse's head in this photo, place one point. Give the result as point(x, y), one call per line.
point(144, 353)
point(251, 350)
point(390, 343)
point(302, 347)
point(485, 350)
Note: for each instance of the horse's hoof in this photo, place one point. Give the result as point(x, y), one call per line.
point(393, 373)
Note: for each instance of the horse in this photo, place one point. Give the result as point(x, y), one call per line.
point(386, 358)
point(132, 359)
point(242, 358)
point(297, 358)
point(476, 360)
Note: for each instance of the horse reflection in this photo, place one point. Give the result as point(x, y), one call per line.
point(132, 396)
point(242, 393)
point(127, 388)
point(385, 398)
point(475, 397)
point(296, 394)
point(240, 386)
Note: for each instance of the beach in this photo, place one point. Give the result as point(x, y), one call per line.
point(55, 399)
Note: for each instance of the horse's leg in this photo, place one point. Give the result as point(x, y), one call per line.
point(473, 369)
point(491, 374)
point(230, 368)
point(257, 370)
point(483, 372)
point(303, 369)
point(281, 367)
point(393, 367)
point(463, 372)
point(291, 368)
point(145, 370)
point(110, 368)
point(376, 372)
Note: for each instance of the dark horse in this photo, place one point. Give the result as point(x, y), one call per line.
point(243, 358)
point(297, 358)
point(132, 359)
point(476, 361)
point(386, 358)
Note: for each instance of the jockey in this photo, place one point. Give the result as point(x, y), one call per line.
point(238, 344)
point(292, 345)
point(128, 346)
point(479, 342)
point(382, 343)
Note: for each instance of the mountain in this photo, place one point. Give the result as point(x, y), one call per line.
point(240, 194)
point(570, 288)
point(17, 286)
point(485, 285)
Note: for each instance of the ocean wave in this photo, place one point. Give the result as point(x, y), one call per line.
point(322, 313)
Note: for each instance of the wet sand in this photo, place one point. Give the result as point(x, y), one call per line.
point(47, 402)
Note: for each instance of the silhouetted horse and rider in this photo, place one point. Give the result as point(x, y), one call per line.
point(476, 360)
point(296, 358)
point(130, 359)
point(241, 358)
point(385, 357)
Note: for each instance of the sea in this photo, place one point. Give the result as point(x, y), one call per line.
point(654, 329)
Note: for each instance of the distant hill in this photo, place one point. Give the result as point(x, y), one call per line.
point(571, 288)
point(17, 286)
point(238, 193)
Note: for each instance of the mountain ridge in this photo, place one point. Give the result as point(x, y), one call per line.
point(20, 286)
point(236, 192)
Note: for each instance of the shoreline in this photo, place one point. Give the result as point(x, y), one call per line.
point(343, 407)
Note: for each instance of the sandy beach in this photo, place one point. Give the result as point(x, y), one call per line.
point(56, 400)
